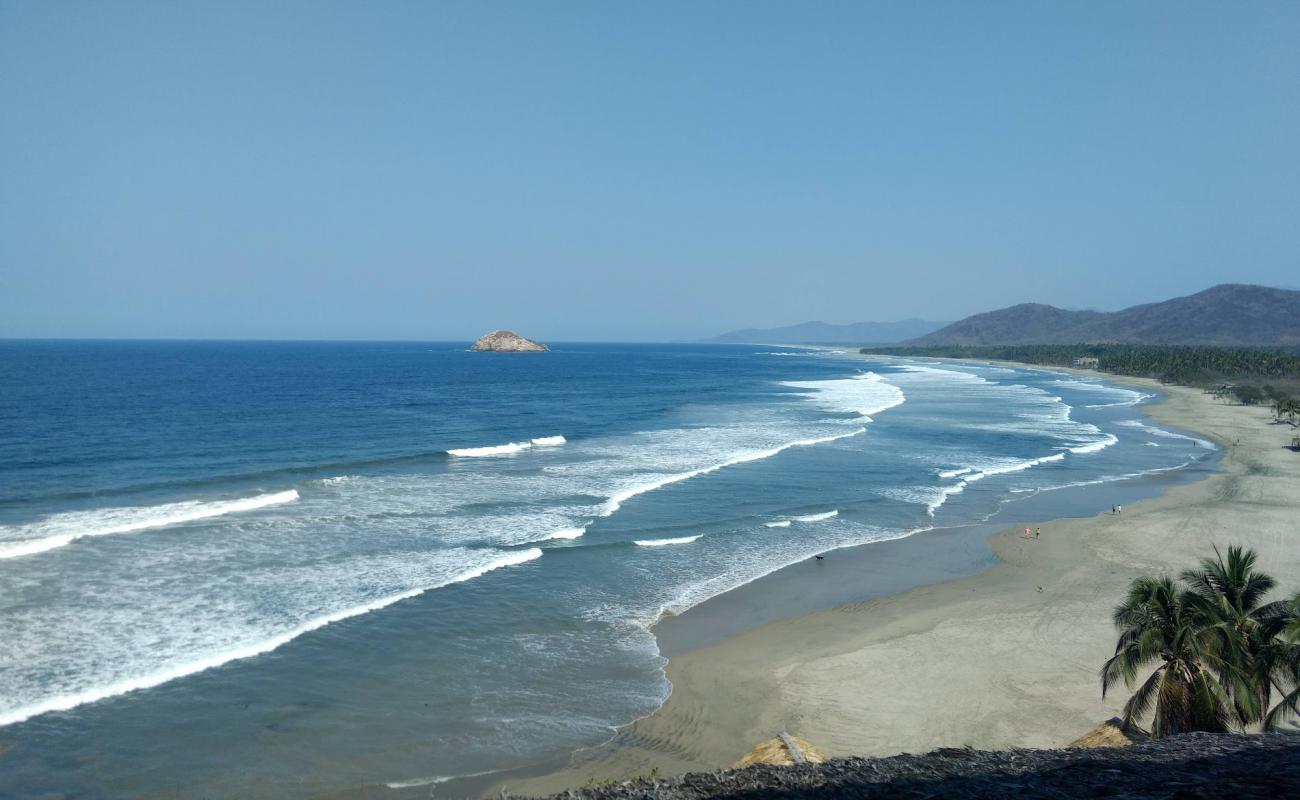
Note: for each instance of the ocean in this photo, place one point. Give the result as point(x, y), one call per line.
point(240, 569)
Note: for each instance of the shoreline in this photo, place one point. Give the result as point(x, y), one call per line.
point(1030, 630)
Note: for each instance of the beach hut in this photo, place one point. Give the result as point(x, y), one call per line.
point(783, 751)
point(1111, 733)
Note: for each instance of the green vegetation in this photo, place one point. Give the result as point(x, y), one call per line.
point(1220, 653)
point(1187, 365)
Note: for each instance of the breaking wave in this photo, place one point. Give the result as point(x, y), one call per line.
point(63, 529)
point(616, 500)
point(73, 699)
point(567, 533)
point(864, 394)
point(665, 542)
point(1094, 447)
point(510, 448)
point(491, 450)
point(816, 517)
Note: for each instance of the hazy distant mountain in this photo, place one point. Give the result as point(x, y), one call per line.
point(825, 333)
point(1229, 314)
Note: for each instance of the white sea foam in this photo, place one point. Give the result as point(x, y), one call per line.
point(934, 498)
point(337, 480)
point(567, 533)
point(1152, 444)
point(816, 517)
point(780, 523)
point(864, 394)
point(63, 529)
point(616, 500)
point(1131, 402)
point(1021, 409)
point(1124, 397)
point(64, 702)
point(952, 473)
point(549, 441)
point(665, 542)
point(491, 450)
point(749, 564)
point(1094, 447)
point(1114, 478)
point(1154, 431)
point(942, 496)
point(1020, 466)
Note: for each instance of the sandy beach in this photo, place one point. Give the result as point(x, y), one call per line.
point(1005, 658)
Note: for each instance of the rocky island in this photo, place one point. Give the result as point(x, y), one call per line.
point(506, 342)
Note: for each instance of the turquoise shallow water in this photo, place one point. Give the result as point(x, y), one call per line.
point(254, 569)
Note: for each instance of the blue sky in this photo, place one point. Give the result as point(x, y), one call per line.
point(616, 171)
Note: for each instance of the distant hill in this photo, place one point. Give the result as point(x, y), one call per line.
point(825, 333)
point(1231, 314)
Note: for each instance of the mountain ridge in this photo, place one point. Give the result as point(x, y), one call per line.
point(1229, 314)
point(817, 332)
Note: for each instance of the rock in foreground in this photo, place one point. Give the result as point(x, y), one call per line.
point(1183, 767)
point(507, 342)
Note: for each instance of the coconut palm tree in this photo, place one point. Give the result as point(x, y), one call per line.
point(1226, 598)
point(1162, 625)
point(1283, 655)
point(1291, 407)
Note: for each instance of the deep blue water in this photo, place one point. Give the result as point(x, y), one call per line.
point(285, 569)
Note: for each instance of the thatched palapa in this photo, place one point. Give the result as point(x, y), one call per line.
point(1111, 733)
point(783, 751)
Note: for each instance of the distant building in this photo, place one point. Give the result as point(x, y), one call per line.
point(1086, 361)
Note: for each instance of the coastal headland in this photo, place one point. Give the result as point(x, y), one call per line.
point(1005, 658)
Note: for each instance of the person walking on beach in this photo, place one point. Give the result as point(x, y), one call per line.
point(1027, 534)
point(1037, 532)
point(1119, 509)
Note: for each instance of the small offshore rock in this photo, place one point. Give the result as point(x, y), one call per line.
point(506, 342)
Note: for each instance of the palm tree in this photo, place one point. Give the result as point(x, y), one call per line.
point(1283, 655)
point(1291, 407)
point(1226, 600)
point(1161, 625)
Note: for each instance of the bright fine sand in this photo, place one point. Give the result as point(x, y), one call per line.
point(1005, 658)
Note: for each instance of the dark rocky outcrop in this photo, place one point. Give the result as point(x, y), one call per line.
point(506, 342)
point(1198, 765)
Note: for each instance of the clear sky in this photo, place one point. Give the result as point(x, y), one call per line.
point(618, 170)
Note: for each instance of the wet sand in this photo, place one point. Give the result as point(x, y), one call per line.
point(1008, 657)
